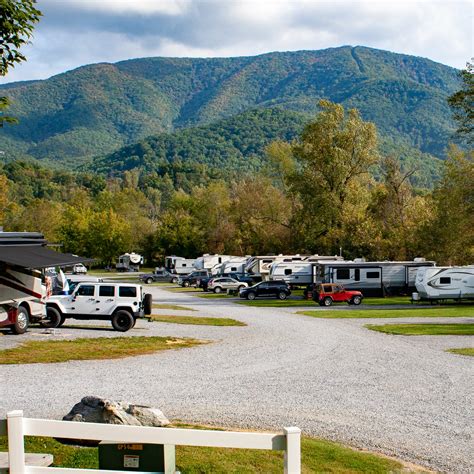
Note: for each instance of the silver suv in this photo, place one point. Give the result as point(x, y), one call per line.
point(121, 303)
point(225, 283)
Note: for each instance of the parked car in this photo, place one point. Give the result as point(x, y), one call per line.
point(275, 288)
point(121, 303)
point(217, 285)
point(250, 280)
point(159, 275)
point(79, 269)
point(328, 293)
point(193, 278)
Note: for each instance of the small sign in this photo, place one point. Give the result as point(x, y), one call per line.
point(131, 461)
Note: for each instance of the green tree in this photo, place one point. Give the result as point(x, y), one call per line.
point(462, 104)
point(17, 22)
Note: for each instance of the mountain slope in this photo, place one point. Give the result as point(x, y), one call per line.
point(98, 108)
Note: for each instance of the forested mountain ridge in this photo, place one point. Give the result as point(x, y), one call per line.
point(99, 108)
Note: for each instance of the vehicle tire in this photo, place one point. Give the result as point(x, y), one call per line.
point(149, 281)
point(251, 296)
point(22, 321)
point(241, 287)
point(217, 290)
point(53, 318)
point(63, 320)
point(327, 301)
point(122, 320)
point(174, 280)
point(185, 284)
point(147, 303)
point(357, 300)
point(282, 295)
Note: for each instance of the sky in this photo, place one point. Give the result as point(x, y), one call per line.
point(72, 33)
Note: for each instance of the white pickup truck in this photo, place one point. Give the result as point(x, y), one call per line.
point(120, 303)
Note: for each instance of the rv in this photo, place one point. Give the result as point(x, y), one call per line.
point(24, 285)
point(300, 272)
point(179, 265)
point(234, 265)
point(129, 262)
point(372, 278)
point(260, 265)
point(211, 263)
point(439, 283)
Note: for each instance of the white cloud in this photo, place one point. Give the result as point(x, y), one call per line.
point(77, 32)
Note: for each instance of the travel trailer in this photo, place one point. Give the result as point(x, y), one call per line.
point(300, 272)
point(129, 262)
point(234, 265)
point(24, 285)
point(372, 278)
point(179, 265)
point(212, 263)
point(260, 265)
point(439, 283)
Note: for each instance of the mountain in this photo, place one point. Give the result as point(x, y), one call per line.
point(96, 109)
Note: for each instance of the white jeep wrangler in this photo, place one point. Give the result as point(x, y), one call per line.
point(121, 303)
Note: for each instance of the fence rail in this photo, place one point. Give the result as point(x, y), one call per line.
point(17, 427)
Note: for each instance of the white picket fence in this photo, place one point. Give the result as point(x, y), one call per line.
point(17, 427)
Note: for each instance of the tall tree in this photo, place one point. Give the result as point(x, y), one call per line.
point(17, 20)
point(462, 103)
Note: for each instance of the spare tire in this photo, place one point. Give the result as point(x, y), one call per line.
point(147, 303)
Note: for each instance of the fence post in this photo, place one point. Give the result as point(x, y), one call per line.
point(293, 450)
point(16, 442)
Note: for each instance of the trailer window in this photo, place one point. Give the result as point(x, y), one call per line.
point(288, 271)
point(357, 274)
point(86, 290)
point(343, 274)
point(127, 291)
point(106, 290)
point(445, 280)
point(373, 274)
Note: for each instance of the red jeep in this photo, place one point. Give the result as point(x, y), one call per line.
point(328, 293)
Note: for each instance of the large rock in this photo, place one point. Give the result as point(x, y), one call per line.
point(100, 410)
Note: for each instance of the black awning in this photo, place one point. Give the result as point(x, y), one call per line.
point(37, 256)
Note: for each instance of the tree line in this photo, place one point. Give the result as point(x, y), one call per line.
point(316, 194)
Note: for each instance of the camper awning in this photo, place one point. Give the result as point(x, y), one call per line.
point(37, 256)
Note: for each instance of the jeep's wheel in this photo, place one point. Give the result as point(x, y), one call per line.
point(53, 318)
point(22, 321)
point(327, 301)
point(147, 303)
point(251, 296)
point(149, 280)
point(185, 284)
point(217, 289)
point(357, 300)
point(282, 295)
point(63, 320)
point(122, 320)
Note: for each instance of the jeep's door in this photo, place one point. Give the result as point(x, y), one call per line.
point(83, 300)
point(339, 294)
point(105, 300)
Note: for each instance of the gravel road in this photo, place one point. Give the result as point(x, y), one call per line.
point(402, 396)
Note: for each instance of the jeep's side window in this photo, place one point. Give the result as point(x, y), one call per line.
point(127, 291)
point(106, 290)
point(86, 290)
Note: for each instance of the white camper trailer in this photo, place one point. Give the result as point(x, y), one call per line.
point(211, 263)
point(260, 265)
point(234, 265)
point(129, 262)
point(179, 265)
point(372, 278)
point(439, 283)
point(301, 272)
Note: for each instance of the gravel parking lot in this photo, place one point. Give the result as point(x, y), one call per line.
point(403, 396)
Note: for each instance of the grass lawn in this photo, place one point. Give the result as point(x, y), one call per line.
point(467, 351)
point(317, 456)
point(431, 312)
point(197, 320)
point(425, 329)
point(180, 289)
point(31, 352)
point(172, 306)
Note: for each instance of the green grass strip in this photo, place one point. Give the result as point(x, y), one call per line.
point(316, 456)
point(172, 306)
point(274, 303)
point(436, 312)
point(425, 329)
point(467, 351)
point(197, 320)
point(35, 352)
